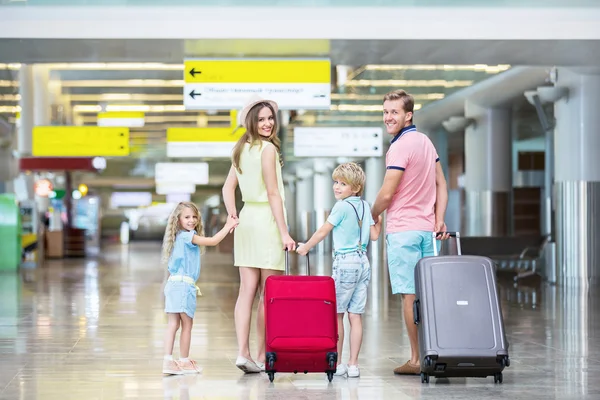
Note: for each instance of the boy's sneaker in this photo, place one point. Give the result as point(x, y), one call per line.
point(171, 367)
point(341, 370)
point(353, 371)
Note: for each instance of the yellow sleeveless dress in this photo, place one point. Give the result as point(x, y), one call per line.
point(257, 242)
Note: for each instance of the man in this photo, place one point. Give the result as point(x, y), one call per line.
point(415, 196)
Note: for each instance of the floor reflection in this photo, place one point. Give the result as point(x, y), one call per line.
point(93, 329)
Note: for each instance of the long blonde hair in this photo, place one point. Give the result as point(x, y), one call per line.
point(173, 228)
point(253, 137)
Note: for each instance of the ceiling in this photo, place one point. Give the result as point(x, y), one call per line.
point(147, 75)
point(341, 52)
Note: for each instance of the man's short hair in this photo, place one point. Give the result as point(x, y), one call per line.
point(408, 102)
point(352, 174)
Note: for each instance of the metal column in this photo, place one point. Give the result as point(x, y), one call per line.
point(488, 170)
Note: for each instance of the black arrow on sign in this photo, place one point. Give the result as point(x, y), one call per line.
point(193, 72)
point(194, 94)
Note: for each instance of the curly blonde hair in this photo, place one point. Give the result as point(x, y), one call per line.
point(173, 228)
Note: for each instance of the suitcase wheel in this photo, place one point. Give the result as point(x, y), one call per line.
point(428, 362)
point(498, 377)
point(329, 376)
point(424, 377)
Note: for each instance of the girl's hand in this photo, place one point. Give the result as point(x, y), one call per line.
point(288, 242)
point(232, 223)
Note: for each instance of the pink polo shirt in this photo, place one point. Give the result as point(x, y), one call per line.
point(413, 205)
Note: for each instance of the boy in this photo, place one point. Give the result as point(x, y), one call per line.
point(352, 226)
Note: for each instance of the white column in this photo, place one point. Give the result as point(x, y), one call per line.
point(42, 96)
point(488, 170)
point(378, 289)
point(577, 176)
point(323, 198)
point(304, 203)
point(26, 104)
point(374, 171)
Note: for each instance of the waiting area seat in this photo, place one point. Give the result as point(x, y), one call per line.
point(518, 255)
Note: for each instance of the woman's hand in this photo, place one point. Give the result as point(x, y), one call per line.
point(288, 243)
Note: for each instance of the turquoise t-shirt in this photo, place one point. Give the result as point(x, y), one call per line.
point(345, 224)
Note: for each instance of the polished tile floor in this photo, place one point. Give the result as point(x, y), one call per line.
point(93, 329)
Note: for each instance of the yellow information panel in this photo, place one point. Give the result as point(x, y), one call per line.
point(258, 71)
point(121, 115)
point(204, 134)
point(80, 141)
point(294, 83)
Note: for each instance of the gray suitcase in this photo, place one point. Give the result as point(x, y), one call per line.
point(457, 310)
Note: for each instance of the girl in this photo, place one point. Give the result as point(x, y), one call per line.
point(181, 250)
point(262, 236)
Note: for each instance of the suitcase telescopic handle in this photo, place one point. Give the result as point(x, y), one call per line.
point(455, 235)
point(287, 263)
point(416, 313)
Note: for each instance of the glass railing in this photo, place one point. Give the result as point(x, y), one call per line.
point(310, 3)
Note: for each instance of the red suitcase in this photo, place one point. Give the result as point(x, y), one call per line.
point(300, 323)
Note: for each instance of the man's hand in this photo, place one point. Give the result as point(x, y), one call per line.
point(440, 226)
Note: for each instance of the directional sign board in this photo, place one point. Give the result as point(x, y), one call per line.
point(196, 173)
point(228, 83)
point(79, 141)
point(338, 142)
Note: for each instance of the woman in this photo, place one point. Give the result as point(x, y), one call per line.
point(262, 234)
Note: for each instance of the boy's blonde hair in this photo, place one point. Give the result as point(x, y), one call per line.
point(352, 174)
point(173, 227)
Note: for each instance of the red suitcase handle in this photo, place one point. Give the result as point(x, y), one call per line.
point(287, 263)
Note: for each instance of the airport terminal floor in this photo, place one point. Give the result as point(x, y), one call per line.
point(93, 329)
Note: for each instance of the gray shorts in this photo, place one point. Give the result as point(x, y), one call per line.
point(352, 274)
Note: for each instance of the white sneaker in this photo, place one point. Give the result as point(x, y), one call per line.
point(341, 370)
point(260, 365)
point(246, 365)
point(353, 371)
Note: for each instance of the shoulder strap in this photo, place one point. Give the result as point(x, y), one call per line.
point(360, 220)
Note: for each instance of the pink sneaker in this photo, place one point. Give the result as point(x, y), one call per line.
point(189, 367)
point(171, 367)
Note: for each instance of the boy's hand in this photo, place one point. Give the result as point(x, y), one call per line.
point(302, 249)
point(379, 220)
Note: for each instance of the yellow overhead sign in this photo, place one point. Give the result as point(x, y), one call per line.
point(121, 115)
point(265, 47)
point(257, 71)
point(204, 134)
point(80, 141)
